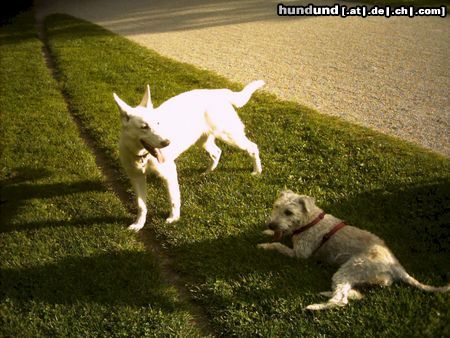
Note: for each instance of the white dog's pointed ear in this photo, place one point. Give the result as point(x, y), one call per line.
point(125, 109)
point(147, 99)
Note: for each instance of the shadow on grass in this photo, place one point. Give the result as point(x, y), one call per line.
point(22, 30)
point(22, 185)
point(413, 221)
point(77, 222)
point(116, 278)
point(416, 216)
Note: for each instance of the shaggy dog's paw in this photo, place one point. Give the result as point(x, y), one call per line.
point(315, 307)
point(276, 235)
point(323, 306)
point(264, 246)
point(268, 232)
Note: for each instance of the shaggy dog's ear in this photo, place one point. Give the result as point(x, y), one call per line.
point(147, 99)
point(306, 202)
point(125, 110)
point(286, 192)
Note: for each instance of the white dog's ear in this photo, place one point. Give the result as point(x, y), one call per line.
point(147, 99)
point(125, 109)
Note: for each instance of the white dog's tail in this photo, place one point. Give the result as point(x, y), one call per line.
point(404, 276)
point(239, 99)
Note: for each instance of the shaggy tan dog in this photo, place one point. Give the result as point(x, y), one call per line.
point(363, 257)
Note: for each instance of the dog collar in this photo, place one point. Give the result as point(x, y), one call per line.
point(309, 225)
point(329, 234)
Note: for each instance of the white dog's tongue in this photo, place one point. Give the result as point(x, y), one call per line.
point(155, 152)
point(159, 156)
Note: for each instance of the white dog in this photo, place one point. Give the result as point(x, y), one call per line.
point(362, 256)
point(152, 138)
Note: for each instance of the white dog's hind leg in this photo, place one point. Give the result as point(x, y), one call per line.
point(214, 152)
point(138, 182)
point(253, 151)
point(168, 172)
point(242, 142)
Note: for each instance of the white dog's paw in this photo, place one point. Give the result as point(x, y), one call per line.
point(135, 227)
point(172, 219)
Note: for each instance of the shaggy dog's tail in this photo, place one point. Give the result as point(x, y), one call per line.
point(404, 276)
point(239, 99)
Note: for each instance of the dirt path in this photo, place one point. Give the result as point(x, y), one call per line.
point(111, 178)
point(392, 75)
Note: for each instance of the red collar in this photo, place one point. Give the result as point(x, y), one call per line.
point(330, 233)
point(310, 225)
point(327, 236)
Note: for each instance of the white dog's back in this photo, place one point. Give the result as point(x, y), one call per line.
point(202, 112)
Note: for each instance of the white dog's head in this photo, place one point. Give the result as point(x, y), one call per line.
point(140, 124)
point(291, 211)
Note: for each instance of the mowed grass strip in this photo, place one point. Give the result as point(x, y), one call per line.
point(393, 188)
point(68, 265)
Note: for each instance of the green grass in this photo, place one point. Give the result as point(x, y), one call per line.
point(68, 266)
point(393, 188)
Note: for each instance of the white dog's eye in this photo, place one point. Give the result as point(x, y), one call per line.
point(145, 126)
point(288, 212)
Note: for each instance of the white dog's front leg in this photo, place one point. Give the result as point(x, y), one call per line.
point(139, 184)
point(168, 173)
point(283, 249)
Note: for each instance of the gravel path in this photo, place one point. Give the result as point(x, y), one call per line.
point(392, 75)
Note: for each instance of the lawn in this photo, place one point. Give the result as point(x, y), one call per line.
point(393, 188)
point(390, 187)
point(68, 265)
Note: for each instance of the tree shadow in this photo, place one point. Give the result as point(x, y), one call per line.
point(115, 278)
point(412, 219)
point(139, 17)
point(22, 185)
point(19, 30)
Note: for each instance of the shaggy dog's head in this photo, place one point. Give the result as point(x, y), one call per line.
point(291, 211)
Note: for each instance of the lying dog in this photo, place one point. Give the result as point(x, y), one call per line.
point(152, 138)
point(363, 257)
